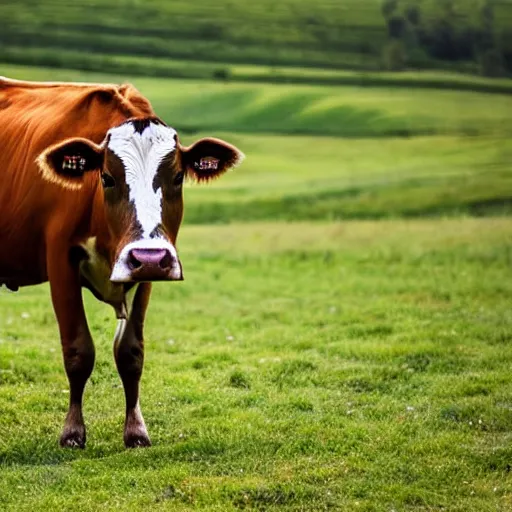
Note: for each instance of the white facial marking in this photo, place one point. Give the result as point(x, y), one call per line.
point(142, 154)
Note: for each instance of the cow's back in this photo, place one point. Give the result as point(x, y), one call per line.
point(34, 116)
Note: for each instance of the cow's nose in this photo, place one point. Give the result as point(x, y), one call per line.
point(150, 258)
point(147, 260)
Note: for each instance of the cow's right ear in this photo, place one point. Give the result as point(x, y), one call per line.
point(66, 162)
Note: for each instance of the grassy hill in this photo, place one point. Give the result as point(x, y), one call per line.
point(321, 153)
point(347, 34)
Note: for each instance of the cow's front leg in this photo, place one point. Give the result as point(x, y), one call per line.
point(77, 345)
point(129, 355)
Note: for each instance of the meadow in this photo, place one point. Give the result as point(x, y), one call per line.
point(342, 337)
point(98, 35)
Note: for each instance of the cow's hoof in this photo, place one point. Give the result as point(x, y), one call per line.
point(136, 440)
point(73, 438)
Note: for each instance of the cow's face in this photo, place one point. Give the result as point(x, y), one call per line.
point(142, 178)
point(142, 167)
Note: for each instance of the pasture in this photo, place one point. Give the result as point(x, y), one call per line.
point(342, 337)
point(347, 35)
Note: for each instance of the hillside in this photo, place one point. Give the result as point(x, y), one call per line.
point(344, 35)
point(323, 153)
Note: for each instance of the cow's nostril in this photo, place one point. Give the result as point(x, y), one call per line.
point(166, 261)
point(133, 262)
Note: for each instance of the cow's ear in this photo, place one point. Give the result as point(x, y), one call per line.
point(208, 158)
point(66, 162)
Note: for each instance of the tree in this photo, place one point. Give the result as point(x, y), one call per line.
point(413, 14)
point(394, 55)
point(505, 47)
point(486, 38)
point(491, 63)
point(396, 26)
point(388, 8)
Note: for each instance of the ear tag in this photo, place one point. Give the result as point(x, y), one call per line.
point(73, 163)
point(208, 163)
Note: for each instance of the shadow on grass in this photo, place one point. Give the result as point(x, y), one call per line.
point(43, 450)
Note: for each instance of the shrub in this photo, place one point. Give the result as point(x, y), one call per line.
point(396, 27)
point(388, 8)
point(394, 56)
point(413, 14)
point(491, 63)
point(221, 74)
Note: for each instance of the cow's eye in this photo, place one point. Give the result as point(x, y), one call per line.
point(107, 180)
point(178, 179)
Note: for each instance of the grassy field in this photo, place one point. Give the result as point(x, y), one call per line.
point(354, 153)
point(309, 366)
point(326, 351)
point(348, 35)
point(133, 65)
point(197, 105)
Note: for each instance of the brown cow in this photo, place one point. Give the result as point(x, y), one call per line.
point(91, 196)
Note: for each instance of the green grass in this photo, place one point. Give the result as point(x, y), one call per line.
point(300, 178)
point(193, 105)
point(459, 165)
point(130, 65)
point(333, 34)
point(337, 366)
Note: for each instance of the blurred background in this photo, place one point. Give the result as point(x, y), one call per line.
point(348, 109)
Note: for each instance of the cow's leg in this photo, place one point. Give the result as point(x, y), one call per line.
point(129, 355)
point(77, 345)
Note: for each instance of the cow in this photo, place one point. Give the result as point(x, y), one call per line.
point(91, 197)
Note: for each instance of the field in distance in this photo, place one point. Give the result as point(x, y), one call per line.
point(318, 152)
point(349, 34)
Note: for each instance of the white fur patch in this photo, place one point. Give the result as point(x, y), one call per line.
point(142, 154)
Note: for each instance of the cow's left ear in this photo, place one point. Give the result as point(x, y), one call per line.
point(66, 162)
point(208, 158)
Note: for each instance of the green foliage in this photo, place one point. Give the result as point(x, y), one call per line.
point(394, 55)
point(388, 8)
point(413, 14)
point(445, 35)
point(238, 380)
point(491, 62)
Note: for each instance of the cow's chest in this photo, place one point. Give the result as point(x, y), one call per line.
point(95, 270)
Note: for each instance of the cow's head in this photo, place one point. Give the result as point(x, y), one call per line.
point(142, 166)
